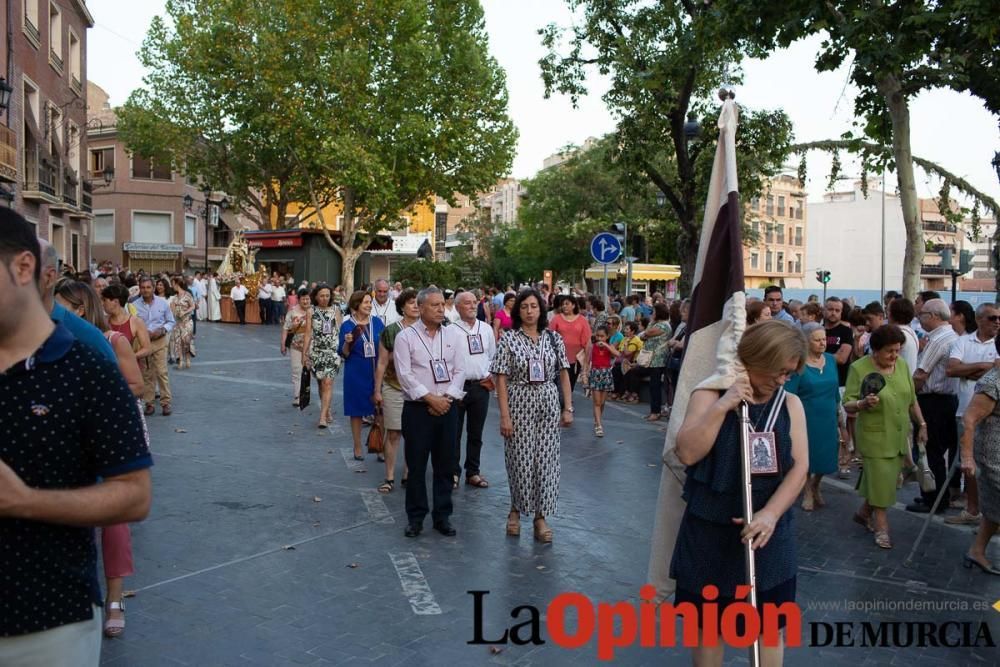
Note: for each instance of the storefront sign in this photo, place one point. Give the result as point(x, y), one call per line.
point(152, 247)
point(293, 242)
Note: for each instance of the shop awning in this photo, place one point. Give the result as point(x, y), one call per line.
point(639, 271)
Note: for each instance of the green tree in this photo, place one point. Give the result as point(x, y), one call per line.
point(419, 273)
point(665, 61)
point(567, 204)
point(323, 101)
point(896, 51)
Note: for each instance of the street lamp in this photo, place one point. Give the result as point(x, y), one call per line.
point(5, 91)
point(692, 128)
point(206, 210)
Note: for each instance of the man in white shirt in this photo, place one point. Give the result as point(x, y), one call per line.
point(938, 397)
point(971, 356)
point(477, 355)
point(264, 301)
point(239, 296)
point(278, 302)
point(383, 307)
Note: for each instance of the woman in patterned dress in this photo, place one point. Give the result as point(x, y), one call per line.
point(320, 342)
point(655, 338)
point(295, 325)
point(528, 363)
point(181, 337)
point(982, 418)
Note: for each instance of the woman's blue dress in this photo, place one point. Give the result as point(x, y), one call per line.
point(820, 395)
point(358, 371)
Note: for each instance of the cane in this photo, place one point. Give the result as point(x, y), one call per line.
point(908, 562)
point(755, 656)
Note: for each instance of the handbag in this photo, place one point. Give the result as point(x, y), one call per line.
point(376, 435)
point(925, 478)
point(304, 383)
point(644, 358)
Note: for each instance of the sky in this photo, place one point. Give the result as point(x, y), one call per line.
point(951, 129)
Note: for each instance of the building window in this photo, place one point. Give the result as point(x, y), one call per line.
point(74, 249)
point(769, 235)
point(754, 260)
point(31, 21)
point(798, 211)
point(144, 168)
point(798, 262)
point(75, 79)
point(151, 227)
point(190, 228)
point(55, 37)
point(770, 205)
point(781, 205)
point(755, 203)
point(798, 235)
point(781, 234)
point(104, 228)
point(101, 159)
point(767, 262)
point(781, 262)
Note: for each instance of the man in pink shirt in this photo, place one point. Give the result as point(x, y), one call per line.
point(430, 368)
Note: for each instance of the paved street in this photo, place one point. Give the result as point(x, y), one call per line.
point(267, 545)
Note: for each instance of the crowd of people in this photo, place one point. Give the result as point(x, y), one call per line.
point(894, 388)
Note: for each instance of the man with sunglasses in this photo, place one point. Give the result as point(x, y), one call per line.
point(937, 394)
point(971, 356)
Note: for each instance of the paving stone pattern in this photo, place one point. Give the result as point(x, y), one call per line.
point(266, 546)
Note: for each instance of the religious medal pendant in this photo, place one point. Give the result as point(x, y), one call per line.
point(763, 453)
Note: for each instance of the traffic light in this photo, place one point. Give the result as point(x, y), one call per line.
point(965, 262)
point(823, 276)
point(619, 229)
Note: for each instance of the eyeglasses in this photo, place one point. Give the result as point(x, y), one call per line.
point(993, 318)
point(924, 313)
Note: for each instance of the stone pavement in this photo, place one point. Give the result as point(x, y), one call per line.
point(267, 544)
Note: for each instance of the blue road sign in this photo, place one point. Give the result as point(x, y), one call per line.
point(605, 248)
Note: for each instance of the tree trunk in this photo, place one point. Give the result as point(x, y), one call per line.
point(899, 112)
point(351, 256)
point(687, 250)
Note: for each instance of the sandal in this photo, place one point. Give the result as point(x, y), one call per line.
point(358, 458)
point(653, 417)
point(598, 431)
point(321, 424)
point(863, 521)
point(545, 534)
point(514, 524)
point(114, 627)
point(882, 539)
point(381, 459)
point(387, 486)
point(477, 480)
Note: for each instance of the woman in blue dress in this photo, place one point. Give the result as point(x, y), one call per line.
point(816, 387)
point(710, 541)
point(359, 336)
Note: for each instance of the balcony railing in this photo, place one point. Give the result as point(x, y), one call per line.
point(56, 59)
point(940, 227)
point(87, 198)
point(8, 153)
point(69, 194)
point(44, 180)
point(31, 29)
point(74, 82)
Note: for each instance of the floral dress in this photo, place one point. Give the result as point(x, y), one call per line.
point(325, 340)
point(183, 331)
point(531, 454)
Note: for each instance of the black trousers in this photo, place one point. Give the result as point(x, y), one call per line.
point(619, 378)
point(265, 310)
point(574, 373)
point(475, 405)
point(241, 310)
point(655, 375)
point(433, 437)
point(942, 438)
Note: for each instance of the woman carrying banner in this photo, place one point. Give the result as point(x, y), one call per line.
point(880, 391)
point(710, 541)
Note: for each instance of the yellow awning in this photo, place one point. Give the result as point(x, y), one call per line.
point(639, 271)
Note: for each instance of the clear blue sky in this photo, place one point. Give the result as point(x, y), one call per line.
point(948, 128)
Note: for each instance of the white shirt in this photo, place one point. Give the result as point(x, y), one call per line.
point(452, 315)
point(387, 313)
point(477, 366)
point(911, 348)
point(238, 293)
point(968, 349)
point(934, 360)
point(278, 293)
point(264, 293)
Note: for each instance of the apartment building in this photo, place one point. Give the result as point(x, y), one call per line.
point(43, 139)
point(778, 219)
